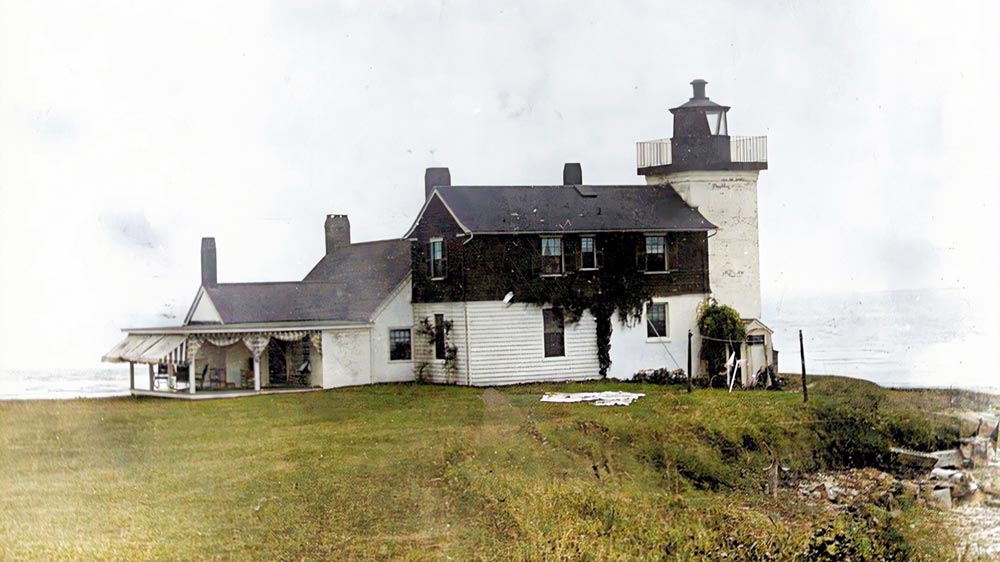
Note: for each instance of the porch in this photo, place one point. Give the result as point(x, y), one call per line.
point(216, 394)
point(200, 365)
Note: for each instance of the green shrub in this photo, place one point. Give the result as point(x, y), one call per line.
point(719, 322)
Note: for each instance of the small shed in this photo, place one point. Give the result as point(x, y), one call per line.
point(757, 350)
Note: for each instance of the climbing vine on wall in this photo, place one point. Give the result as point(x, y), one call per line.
point(600, 292)
point(722, 330)
point(429, 332)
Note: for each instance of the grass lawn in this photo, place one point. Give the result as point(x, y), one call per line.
point(419, 472)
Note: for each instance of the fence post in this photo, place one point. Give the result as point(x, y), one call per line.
point(689, 360)
point(802, 354)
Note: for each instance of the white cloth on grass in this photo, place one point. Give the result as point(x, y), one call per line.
point(606, 398)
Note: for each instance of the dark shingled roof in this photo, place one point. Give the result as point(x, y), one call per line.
point(568, 208)
point(346, 286)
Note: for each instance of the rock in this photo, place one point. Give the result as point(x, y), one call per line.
point(941, 498)
point(910, 490)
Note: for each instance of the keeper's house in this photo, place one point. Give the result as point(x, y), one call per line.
point(495, 284)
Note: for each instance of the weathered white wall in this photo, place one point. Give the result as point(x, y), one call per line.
point(205, 310)
point(423, 350)
point(632, 351)
point(208, 354)
point(346, 358)
point(232, 358)
point(728, 200)
point(237, 360)
point(507, 347)
point(316, 367)
point(398, 313)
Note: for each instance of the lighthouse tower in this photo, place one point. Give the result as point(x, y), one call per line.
point(717, 174)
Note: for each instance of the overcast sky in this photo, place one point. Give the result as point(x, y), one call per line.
point(129, 130)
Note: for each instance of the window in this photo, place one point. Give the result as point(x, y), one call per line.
point(656, 320)
point(399, 345)
point(552, 256)
point(439, 265)
point(439, 333)
point(588, 253)
point(716, 122)
point(656, 253)
point(554, 328)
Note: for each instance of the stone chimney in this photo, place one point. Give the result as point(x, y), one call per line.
point(209, 270)
point(572, 174)
point(434, 177)
point(338, 233)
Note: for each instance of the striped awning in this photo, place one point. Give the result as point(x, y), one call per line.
point(149, 349)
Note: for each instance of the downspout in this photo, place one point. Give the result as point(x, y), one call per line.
point(465, 304)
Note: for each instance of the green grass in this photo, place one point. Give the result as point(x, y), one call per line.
point(414, 472)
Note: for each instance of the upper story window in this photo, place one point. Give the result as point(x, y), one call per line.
point(656, 253)
point(554, 328)
point(552, 256)
point(588, 253)
point(438, 261)
point(657, 325)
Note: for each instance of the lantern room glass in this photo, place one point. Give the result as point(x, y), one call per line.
point(717, 122)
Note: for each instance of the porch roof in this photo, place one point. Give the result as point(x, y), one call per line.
point(247, 327)
point(152, 348)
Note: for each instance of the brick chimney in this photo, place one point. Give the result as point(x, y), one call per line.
point(338, 233)
point(572, 174)
point(209, 270)
point(434, 177)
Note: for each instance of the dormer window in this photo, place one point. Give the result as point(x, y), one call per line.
point(438, 262)
point(717, 122)
point(552, 256)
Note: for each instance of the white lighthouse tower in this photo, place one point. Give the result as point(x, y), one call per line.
point(717, 174)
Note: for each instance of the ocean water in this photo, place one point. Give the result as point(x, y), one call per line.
point(920, 338)
point(924, 338)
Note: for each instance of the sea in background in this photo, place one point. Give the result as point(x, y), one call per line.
point(920, 338)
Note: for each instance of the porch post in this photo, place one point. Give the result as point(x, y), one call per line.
point(131, 375)
point(191, 372)
point(256, 372)
point(151, 379)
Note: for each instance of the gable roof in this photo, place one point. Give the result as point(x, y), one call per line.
point(364, 262)
point(346, 286)
point(567, 208)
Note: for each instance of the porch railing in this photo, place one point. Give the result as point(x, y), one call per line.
point(741, 149)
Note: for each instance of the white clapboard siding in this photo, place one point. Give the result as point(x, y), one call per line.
point(423, 351)
point(506, 346)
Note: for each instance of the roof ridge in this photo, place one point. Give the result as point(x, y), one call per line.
point(553, 185)
point(373, 242)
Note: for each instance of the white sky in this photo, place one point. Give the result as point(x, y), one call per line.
point(130, 130)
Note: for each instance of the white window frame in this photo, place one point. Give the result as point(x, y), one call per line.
point(666, 321)
point(388, 336)
point(580, 252)
point(666, 254)
point(430, 245)
point(562, 255)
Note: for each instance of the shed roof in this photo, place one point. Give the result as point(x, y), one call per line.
point(569, 208)
point(348, 285)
